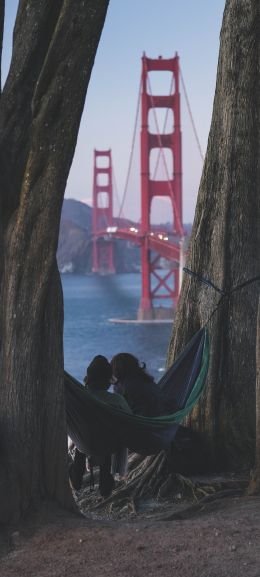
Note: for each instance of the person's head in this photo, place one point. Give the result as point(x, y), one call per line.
point(127, 365)
point(99, 373)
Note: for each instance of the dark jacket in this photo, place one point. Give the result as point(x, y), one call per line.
point(142, 394)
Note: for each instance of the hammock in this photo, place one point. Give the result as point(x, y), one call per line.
point(99, 429)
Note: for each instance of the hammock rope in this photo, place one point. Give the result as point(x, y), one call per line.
point(225, 294)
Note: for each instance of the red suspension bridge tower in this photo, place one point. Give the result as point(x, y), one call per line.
point(156, 282)
point(102, 213)
point(161, 253)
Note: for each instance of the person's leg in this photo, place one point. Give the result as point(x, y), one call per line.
point(77, 470)
point(120, 463)
point(106, 480)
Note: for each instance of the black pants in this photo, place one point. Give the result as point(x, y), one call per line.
point(106, 479)
point(78, 467)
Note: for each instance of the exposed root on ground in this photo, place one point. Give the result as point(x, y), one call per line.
point(149, 479)
point(254, 484)
point(204, 505)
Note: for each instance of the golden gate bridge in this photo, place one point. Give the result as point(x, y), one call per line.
point(159, 283)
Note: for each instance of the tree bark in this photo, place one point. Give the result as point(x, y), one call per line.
point(225, 244)
point(257, 452)
point(40, 110)
point(2, 17)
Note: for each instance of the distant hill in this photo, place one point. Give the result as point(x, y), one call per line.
point(78, 213)
point(74, 253)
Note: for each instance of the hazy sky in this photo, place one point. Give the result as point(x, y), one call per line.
point(157, 27)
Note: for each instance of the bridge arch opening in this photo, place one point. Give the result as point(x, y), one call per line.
point(102, 221)
point(161, 164)
point(102, 199)
point(160, 83)
point(161, 212)
point(103, 179)
point(160, 120)
point(102, 161)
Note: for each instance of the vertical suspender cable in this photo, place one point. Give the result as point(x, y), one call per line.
point(191, 117)
point(115, 188)
point(131, 152)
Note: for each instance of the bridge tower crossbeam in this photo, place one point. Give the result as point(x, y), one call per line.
point(102, 213)
point(158, 285)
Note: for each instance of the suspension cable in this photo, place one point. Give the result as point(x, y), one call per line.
point(131, 151)
point(115, 188)
point(191, 117)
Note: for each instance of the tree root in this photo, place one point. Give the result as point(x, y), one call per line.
point(150, 477)
point(140, 481)
point(201, 505)
point(254, 484)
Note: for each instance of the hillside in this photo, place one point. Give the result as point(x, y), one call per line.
point(74, 249)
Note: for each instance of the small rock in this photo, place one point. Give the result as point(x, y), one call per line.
point(232, 548)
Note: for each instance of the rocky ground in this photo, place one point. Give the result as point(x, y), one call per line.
point(218, 537)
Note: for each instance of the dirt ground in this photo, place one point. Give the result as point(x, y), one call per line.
point(220, 538)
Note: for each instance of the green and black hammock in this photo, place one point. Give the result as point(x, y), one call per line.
point(98, 428)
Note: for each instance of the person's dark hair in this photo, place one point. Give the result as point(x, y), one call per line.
point(99, 373)
point(127, 365)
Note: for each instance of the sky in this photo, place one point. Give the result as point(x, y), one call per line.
point(157, 27)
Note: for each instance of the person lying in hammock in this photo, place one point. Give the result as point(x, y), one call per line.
point(98, 380)
point(137, 386)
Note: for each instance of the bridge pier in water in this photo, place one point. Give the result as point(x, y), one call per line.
point(155, 313)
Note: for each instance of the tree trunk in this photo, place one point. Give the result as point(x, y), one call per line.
point(40, 110)
point(257, 452)
point(225, 244)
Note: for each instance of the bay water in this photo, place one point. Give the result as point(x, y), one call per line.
point(89, 302)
